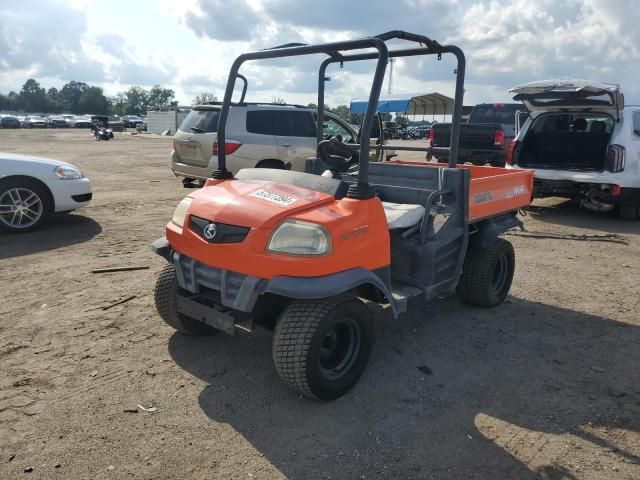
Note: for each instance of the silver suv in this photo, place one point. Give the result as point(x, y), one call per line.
point(258, 135)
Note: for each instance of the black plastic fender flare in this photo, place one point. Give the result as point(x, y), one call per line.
point(327, 285)
point(487, 231)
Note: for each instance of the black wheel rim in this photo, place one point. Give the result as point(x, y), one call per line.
point(500, 273)
point(340, 349)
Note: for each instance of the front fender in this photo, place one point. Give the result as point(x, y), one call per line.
point(328, 285)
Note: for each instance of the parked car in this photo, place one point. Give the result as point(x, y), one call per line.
point(83, 121)
point(33, 121)
point(32, 188)
point(582, 143)
point(57, 122)
point(131, 121)
point(9, 121)
point(258, 135)
point(483, 139)
point(115, 124)
point(70, 119)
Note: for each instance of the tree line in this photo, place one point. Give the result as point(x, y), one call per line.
point(80, 98)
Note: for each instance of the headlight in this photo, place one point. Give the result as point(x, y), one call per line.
point(67, 172)
point(300, 238)
point(181, 211)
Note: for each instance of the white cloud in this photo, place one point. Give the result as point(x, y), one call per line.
point(190, 45)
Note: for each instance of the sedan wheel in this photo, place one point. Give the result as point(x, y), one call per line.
point(23, 206)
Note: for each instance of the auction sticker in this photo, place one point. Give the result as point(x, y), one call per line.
point(274, 197)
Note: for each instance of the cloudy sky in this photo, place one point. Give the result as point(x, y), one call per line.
point(188, 45)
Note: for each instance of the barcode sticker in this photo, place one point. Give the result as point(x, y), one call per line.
point(274, 197)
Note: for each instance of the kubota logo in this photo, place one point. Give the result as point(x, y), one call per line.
point(210, 231)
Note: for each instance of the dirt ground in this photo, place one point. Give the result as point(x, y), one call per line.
point(546, 386)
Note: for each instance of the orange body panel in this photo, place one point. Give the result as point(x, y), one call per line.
point(493, 190)
point(358, 229)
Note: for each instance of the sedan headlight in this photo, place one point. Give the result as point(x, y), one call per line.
point(67, 172)
point(181, 211)
point(295, 237)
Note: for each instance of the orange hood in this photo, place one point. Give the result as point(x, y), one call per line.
point(254, 204)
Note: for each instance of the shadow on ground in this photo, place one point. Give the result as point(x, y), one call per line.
point(61, 230)
point(568, 213)
point(520, 371)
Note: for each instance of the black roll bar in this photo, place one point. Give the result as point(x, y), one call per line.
point(436, 50)
point(333, 51)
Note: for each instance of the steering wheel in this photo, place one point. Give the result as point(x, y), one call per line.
point(337, 155)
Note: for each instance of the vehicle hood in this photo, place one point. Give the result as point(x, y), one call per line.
point(548, 95)
point(12, 157)
point(253, 203)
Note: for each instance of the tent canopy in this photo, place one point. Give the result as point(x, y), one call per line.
point(416, 104)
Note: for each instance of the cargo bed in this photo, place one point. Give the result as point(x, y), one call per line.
point(493, 190)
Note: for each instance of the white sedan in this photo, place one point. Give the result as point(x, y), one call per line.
point(31, 188)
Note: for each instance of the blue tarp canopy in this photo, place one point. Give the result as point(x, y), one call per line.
point(416, 104)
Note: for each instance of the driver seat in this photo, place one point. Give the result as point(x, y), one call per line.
point(402, 215)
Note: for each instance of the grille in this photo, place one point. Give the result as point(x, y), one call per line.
point(214, 232)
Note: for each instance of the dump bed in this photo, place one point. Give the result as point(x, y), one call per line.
point(493, 190)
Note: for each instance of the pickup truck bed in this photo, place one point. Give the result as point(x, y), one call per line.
point(493, 190)
point(480, 143)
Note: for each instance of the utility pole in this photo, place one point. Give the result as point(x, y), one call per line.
point(391, 61)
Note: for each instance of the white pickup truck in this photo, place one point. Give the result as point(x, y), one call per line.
point(582, 142)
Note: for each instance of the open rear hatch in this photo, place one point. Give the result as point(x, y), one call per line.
point(572, 124)
point(547, 95)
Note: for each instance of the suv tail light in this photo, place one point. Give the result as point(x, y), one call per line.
point(432, 136)
point(229, 147)
point(498, 138)
point(615, 158)
point(512, 148)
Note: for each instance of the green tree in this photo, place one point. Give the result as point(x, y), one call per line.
point(8, 102)
point(71, 93)
point(203, 98)
point(33, 97)
point(56, 102)
point(341, 111)
point(119, 104)
point(160, 98)
point(93, 101)
point(137, 100)
point(402, 121)
point(279, 101)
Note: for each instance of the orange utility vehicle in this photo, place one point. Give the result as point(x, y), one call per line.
point(297, 252)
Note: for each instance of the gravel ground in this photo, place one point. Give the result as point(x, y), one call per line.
point(546, 386)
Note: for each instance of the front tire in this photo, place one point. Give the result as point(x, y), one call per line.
point(487, 274)
point(24, 205)
point(321, 347)
point(164, 294)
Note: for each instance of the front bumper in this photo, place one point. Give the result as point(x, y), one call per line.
point(233, 292)
point(70, 194)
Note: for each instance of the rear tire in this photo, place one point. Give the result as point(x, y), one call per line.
point(321, 347)
point(487, 274)
point(165, 294)
point(629, 212)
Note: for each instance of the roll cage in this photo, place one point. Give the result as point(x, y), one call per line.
point(334, 52)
